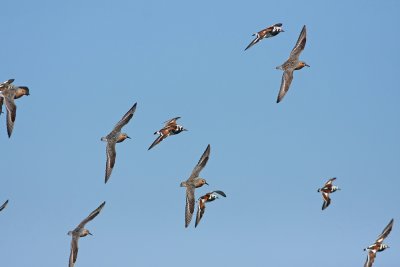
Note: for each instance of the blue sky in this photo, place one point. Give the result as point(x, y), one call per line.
point(87, 62)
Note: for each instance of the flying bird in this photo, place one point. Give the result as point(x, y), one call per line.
point(9, 92)
point(115, 136)
point(193, 182)
point(326, 190)
point(293, 63)
point(80, 231)
point(170, 128)
point(270, 31)
point(202, 203)
point(2, 207)
point(378, 246)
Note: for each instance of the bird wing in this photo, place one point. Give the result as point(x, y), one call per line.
point(11, 112)
point(329, 182)
point(1, 105)
point(200, 211)
point(125, 119)
point(370, 258)
point(300, 44)
point(171, 121)
point(74, 251)
point(157, 141)
point(189, 209)
point(219, 193)
point(4, 205)
point(327, 200)
point(256, 40)
point(287, 78)
point(6, 83)
point(92, 215)
point(111, 155)
point(385, 232)
point(201, 164)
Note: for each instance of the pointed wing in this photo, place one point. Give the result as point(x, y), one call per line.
point(300, 44)
point(1, 105)
point(5, 84)
point(92, 215)
point(4, 205)
point(256, 40)
point(201, 164)
point(125, 119)
point(327, 200)
point(385, 232)
point(74, 251)
point(171, 121)
point(189, 208)
point(329, 182)
point(219, 193)
point(287, 78)
point(111, 155)
point(158, 140)
point(11, 113)
point(200, 211)
point(370, 258)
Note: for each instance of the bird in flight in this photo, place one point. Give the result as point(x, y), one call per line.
point(326, 190)
point(170, 128)
point(115, 136)
point(378, 246)
point(293, 63)
point(202, 203)
point(193, 182)
point(80, 231)
point(9, 92)
point(268, 32)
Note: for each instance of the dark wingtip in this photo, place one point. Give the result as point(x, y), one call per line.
point(250, 45)
point(220, 192)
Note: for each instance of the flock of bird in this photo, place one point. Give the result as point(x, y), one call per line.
point(9, 92)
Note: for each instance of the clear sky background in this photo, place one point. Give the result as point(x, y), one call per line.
point(87, 62)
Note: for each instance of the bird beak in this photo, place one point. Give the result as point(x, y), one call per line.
point(282, 30)
point(206, 183)
point(90, 233)
point(128, 137)
point(307, 65)
point(185, 130)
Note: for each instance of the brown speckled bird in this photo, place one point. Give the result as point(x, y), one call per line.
point(202, 203)
point(326, 190)
point(80, 231)
point(378, 246)
point(266, 33)
point(192, 183)
point(9, 92)
point(170, 128)
point(293, 63)
point(115, 136)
